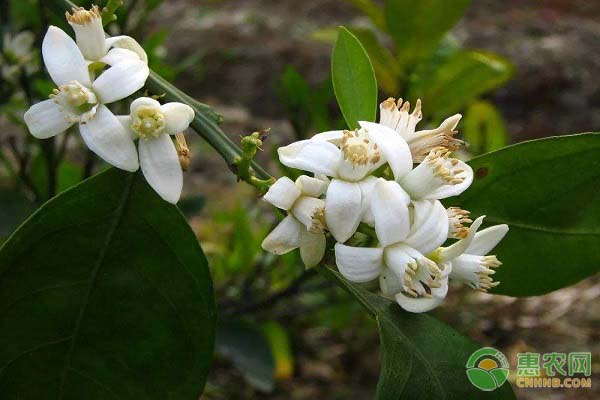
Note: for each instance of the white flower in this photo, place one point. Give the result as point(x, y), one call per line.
point(95, 45)
point(152, 123)
point(396, 116)
point(359, 154)
point(18, 54)
point(304, 225)
point(469, 259)
point(78, 100)
point(439, 176)
point(417, 283)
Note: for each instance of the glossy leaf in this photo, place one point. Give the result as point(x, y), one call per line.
point(105, 293)
point(447, 83)
point(421, 357)
point(354, 80)
point(548, 192)
point(247, 347)
point(418, 25)
point(484, 128)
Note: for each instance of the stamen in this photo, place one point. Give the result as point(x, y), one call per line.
point(81, 16)
point(457, 218)
point(358, 149)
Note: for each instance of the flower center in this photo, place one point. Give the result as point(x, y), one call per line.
point(358, 149)
point(77, 102)
point(421, 276)
point(148, 122)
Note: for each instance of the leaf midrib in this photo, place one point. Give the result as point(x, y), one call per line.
point(118, 215)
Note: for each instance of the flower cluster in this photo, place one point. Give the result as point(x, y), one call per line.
point(389, 177)
point(94, 71)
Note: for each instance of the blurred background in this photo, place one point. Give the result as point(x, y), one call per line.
point(515, 69)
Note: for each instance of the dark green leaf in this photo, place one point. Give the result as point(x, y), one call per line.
point(105, 294)
point(448, 82)
point(422, 358)
point(548, 192)
point(418, 26)
point(484, 128)
point(354, 80)
point(14, 209)
point(247, 347)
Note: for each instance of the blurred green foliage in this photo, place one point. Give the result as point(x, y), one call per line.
point(414, 56)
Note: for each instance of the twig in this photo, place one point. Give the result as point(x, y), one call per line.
point(270, 301)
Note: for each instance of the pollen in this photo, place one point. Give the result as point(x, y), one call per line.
point(443, 167)
point(81, 16)
point(148, 122)
point(457, 219)
point(358, 149)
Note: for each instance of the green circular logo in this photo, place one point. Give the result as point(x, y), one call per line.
point(487, 369)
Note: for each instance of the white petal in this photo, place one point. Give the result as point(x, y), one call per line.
point(312, 248)
point(485, 240)
point(343, 209)
point(310, 186)
point(116, 56)
point(389, 206)
point(143, 101)
point(334, 137)
point(319, 157)
point(423, 304)
point(451, 252)
point(358, 264)
point(105, 136)
point(120, 81)
point(283, 193)
point(393, 148)
point(45, 120)
point(309, 211)
point(160, 164)
point(454, 190)
point(367, 186)
point(125, 121)
point(178, 117)
point(430, 226)
point(129, 43)
point(396, 257)
point(389, 282)
point(63, 58)
point(285, 237)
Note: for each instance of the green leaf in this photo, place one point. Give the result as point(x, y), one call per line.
point(387, 69)
point(447, 83)
point(418, 26)
point(484, 128)
point(14, 208)
point(547, 191)
point(246, 346)
point(105, 293)
point(422, 358)
point(354, 80)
